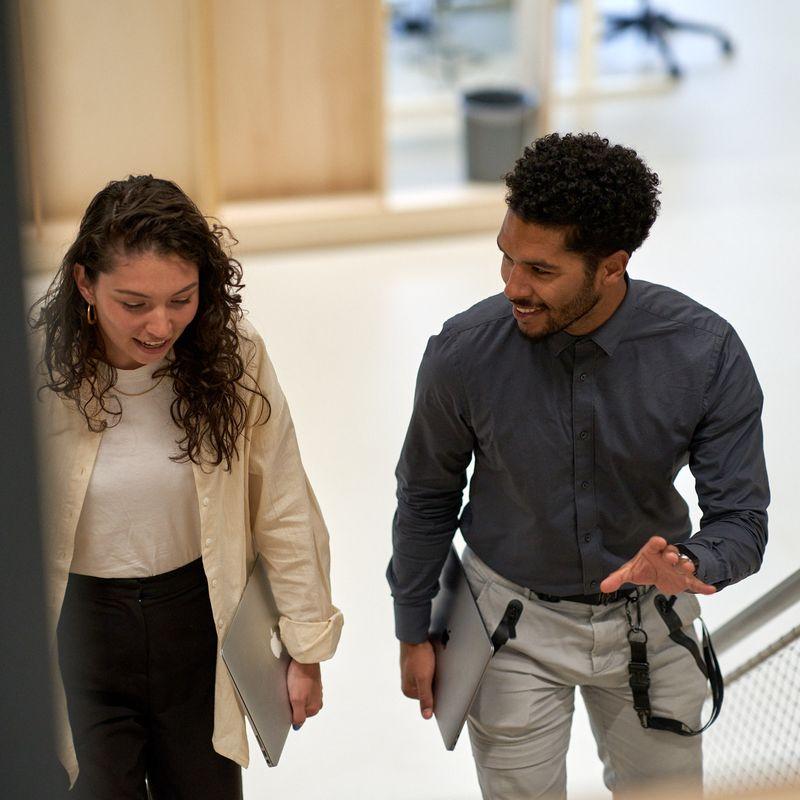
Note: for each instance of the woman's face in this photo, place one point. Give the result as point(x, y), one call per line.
point(143, 305)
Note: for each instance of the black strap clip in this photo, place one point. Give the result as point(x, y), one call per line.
point(507, 627)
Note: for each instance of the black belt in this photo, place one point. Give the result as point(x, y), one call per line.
point(597, 599)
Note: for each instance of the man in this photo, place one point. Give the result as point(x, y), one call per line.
point(580, 393)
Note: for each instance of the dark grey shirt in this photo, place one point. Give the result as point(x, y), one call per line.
point(577, 442)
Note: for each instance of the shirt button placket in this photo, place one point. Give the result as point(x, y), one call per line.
point(583, 429)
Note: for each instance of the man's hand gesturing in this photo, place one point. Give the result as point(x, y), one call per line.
point(661, 565)
point(417, 665)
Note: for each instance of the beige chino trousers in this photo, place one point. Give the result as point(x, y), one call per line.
point(520, 722)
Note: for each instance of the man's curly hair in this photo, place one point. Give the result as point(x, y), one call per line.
point(604, 195)
point(137, 215)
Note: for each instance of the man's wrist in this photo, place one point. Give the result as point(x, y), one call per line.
point(412, 622)
point(685, 551)
point(706, 568)
point(414, 645)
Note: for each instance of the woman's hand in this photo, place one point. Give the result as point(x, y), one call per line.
point(304, 682)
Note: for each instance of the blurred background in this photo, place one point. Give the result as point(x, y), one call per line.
point(355, 148)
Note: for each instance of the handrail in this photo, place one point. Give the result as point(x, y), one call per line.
point(758, 659)
point(769, 605)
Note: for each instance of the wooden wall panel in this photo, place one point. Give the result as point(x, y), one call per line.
point(233, 99)
point(298, 97)
point(107, 91)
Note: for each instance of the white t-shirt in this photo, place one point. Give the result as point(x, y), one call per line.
point(140, 516)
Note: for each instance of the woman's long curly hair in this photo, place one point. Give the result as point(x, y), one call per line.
point(143, 214)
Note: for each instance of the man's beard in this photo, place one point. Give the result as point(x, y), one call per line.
point(562, 317)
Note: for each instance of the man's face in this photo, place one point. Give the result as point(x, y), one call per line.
point(548, 286)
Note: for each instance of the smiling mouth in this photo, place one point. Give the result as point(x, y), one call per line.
point(528, 310)
point(156, 345)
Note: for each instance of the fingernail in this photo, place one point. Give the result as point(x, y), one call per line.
point(297, 727)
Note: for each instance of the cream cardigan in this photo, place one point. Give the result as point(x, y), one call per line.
point(263, 505)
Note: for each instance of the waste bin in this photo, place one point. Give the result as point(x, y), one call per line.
point(498, 123)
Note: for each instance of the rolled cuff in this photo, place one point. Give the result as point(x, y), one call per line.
point(411, 623)
point(312, 642)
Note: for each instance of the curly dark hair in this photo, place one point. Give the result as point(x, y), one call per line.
point(143, 214)
point(604, 195)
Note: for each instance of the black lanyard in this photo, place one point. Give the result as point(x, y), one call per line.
point(639, 667)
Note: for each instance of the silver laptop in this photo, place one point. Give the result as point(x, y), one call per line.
point(463, 650)
point(258, 662)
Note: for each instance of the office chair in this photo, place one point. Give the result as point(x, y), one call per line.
point(656, 26)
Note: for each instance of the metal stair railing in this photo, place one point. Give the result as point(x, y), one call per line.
point(755, 743)
point(777, 600)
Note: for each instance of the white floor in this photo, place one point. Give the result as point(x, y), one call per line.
point(346, 329)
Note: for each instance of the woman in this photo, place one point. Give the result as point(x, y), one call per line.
point(170, 461)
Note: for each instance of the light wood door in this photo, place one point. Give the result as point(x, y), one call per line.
point(233, 99)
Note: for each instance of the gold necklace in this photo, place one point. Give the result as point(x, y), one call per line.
point(139, 394)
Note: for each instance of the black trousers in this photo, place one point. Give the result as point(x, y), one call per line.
point(138, 658)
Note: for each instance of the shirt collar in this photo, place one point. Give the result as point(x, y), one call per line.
point(608, 335)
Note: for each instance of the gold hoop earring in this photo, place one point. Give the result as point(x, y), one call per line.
point(91, 314)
